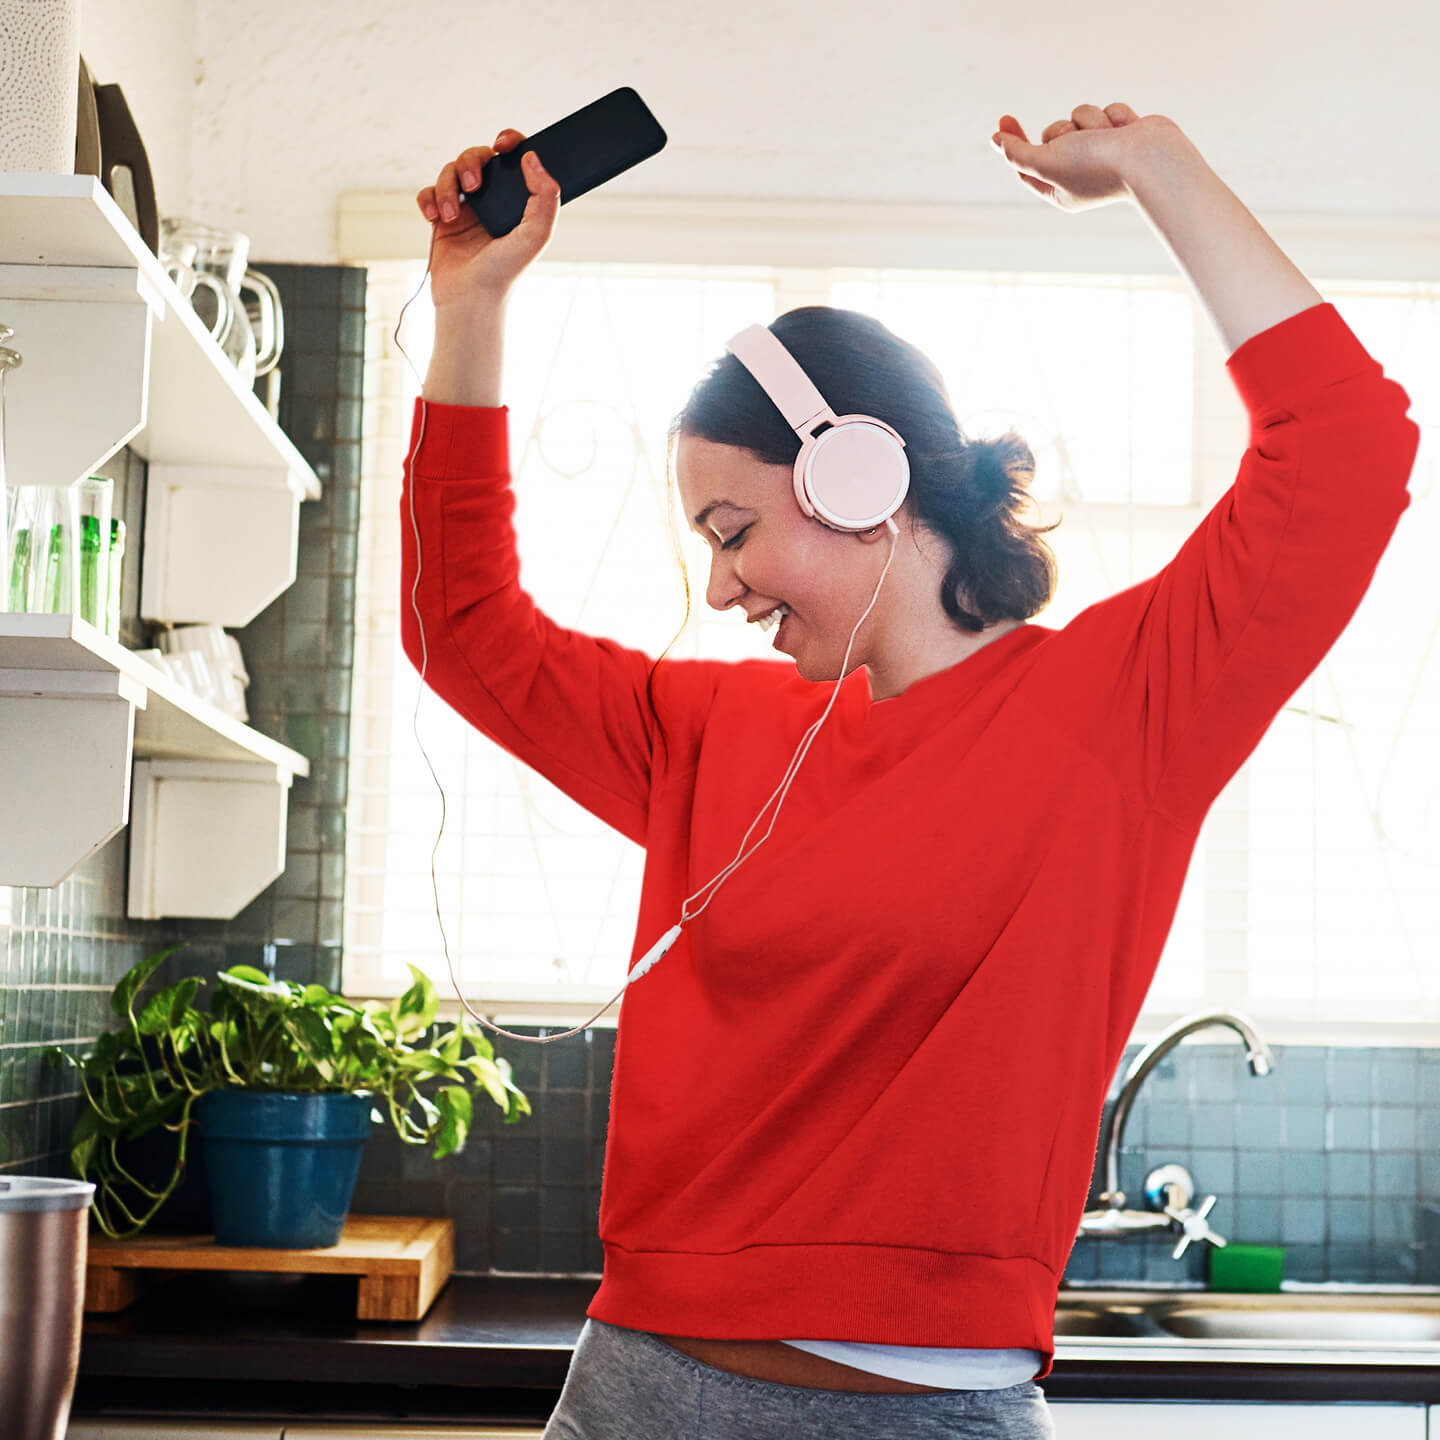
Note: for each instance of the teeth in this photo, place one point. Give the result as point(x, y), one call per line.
point(770, 621)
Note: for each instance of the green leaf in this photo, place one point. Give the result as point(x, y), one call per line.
point(456, 1111)
point(415, 1010)
point(250, 973)
point(186, 1032)
point(57, 1057)
point(166, 1008)
point(478, 1039)
point(85, 1135)
point(423, 1062)
point(316, 996)
point(450, 1050)
point(312, 1037)
point(122, 998)
point(111, 1046)
point(156, 1113)
point(260, 991)
point(430, 1112)
point(185, 991)
point(489, 1075)
point(380, 1022)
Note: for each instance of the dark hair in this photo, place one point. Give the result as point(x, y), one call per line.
point(969, 493)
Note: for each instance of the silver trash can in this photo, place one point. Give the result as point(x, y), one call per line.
point(44, 1226)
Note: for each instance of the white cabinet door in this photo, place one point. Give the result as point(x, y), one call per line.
point(1252, 1420)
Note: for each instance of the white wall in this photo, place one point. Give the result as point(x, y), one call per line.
point(148, 49)
point(257, 115)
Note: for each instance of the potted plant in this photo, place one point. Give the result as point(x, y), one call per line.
point(283, 1081)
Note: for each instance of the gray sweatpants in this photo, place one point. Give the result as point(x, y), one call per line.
point(627, 1385)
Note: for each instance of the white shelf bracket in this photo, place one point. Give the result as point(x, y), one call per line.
point(206, 837)
point(66, 740)
point(221, 542)
point(84, 333)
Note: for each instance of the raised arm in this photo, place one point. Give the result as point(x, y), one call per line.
point(1246, 283)
point(580, 710)
point(469, 355)
point(1175, 680)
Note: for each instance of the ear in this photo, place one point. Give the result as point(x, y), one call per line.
point(904, 522)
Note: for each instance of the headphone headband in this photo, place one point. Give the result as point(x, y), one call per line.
point(852, 472)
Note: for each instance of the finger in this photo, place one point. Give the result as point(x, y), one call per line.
point(1024, 158)
point(468, 165)
point(1121, 114)
point(446, 193)
point(425, 199)
point(1057, 127)
point(543, 185)
point(1018, 152)
point(1090, 117)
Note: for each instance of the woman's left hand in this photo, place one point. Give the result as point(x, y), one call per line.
point(1088, 159)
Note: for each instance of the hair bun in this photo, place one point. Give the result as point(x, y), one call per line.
point(1010, 461)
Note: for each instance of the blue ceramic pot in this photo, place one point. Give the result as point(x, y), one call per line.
point(281, 1166)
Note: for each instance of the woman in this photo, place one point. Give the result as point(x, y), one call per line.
point(855, 1107)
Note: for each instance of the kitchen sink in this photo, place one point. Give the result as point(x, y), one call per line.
point(1358, 1319)
point(1387, 1324)
point(1098, 1320)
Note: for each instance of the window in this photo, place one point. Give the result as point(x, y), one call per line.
point(1310, 901)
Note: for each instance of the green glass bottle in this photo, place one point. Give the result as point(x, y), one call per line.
point(55, 598)
point(20, 572)
point(90, 598)
point(117, 554)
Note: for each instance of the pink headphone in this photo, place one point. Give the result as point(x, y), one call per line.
point(852, 472)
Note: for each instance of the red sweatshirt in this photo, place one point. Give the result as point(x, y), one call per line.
point(860, 1097)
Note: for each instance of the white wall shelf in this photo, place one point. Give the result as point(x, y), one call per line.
point(211, 794)
point(114, 355)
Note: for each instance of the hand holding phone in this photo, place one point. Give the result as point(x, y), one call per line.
point(467, 263)
point(475, 252)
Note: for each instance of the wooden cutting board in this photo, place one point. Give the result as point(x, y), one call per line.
point(402, 1262)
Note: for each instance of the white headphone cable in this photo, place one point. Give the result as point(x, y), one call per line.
point(662, 945)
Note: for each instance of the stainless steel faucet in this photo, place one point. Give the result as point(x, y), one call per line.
point(1169, 1188)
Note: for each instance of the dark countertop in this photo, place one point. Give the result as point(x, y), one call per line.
point(496, 1348)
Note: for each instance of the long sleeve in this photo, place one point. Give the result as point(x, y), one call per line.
point(572, 706)
point(1177, 678)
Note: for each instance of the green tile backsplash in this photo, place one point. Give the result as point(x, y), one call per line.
point(1336, 1155)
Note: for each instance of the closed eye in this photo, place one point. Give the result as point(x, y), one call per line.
point(734, 539)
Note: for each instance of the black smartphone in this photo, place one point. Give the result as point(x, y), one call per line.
point(585, 149)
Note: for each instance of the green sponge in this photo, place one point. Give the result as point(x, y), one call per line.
point(1246, 1267)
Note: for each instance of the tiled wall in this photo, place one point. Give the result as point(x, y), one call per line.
point(1336, 1155)
point(299, 649)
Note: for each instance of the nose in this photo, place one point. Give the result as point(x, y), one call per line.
point(724, 587)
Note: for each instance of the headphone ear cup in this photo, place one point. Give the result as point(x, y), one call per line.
point(853, 476)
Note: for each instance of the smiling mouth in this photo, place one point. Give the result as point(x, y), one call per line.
point(776, 617)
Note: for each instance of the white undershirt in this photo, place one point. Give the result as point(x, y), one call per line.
point(951, 1369)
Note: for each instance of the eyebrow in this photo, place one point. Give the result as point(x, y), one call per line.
point(714, 505)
